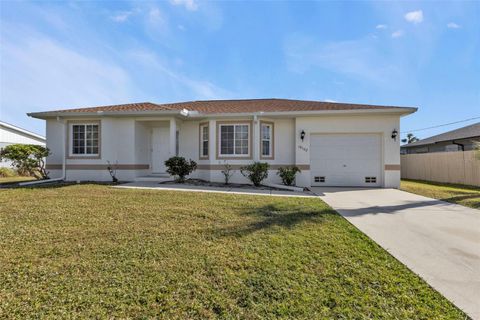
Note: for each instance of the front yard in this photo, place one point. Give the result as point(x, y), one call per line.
point(93, 251)
point(468, 196)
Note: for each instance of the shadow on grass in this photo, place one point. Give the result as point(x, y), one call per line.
point(270, 216)
point(469, 196)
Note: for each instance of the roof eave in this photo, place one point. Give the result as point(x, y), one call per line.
point(194, 114)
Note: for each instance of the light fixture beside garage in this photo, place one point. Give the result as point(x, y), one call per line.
point(394, 134)
point(302, 135)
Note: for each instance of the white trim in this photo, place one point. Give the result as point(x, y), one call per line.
point(202, 140)
point(70, 151)
point(234, 125)
point(270, 149)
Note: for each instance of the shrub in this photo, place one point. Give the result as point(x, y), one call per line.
point(180, 168)
point(228, 172)
point(7, 173)
point(255, 172)
point(28, 159)
point(288, 174)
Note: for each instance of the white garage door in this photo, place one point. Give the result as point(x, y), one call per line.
point(352, 160)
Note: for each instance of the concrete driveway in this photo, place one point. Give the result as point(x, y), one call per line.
point(437, 240)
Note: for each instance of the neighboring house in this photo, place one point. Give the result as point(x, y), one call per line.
point(10, 134)
point(462, 139)
point(334, 144)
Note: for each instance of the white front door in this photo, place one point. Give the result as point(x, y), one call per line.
point(346, 160)
point(160, 148)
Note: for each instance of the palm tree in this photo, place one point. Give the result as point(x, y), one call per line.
point(410, 138)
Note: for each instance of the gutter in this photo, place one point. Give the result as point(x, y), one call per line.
point(196, 114)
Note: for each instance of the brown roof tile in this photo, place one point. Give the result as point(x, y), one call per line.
point(233, 106)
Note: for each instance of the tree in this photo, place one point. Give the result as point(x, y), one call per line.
point(28, 159)
point(410, 138)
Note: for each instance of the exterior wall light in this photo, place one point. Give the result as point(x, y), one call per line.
point(394, 134)
point(302, 135)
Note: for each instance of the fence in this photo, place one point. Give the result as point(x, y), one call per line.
point(451, 167)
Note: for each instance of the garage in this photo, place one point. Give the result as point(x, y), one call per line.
point(346, 160)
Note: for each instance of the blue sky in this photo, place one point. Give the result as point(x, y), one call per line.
point(68, 54)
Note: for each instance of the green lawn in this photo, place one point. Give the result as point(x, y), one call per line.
point(92, 251)
point(464, 195)
point(8, 180)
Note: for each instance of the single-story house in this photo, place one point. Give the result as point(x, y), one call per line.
point(334, 144)
point(10, 134)
point(462, 139)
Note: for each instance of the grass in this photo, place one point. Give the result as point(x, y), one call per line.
point(468, 196)
point(8, 180)
point(92, 251)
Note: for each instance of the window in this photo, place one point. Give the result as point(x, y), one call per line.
point(204, 141)
point(84, 139)
point(266, 140)
point(234, 140)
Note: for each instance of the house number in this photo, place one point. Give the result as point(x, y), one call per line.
point(303, 148)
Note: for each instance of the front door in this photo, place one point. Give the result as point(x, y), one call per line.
point(160, 148)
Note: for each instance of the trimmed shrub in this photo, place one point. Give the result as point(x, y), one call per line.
point(227, 172)
point(288, 174)
point(255, 172)
point(180, 168)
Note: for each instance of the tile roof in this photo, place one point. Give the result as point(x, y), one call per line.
point(231, 106)
point(457, 134)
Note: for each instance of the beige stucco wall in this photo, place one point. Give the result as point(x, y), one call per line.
point(128, 142)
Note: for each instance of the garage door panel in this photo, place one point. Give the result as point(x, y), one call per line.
point(345, 159)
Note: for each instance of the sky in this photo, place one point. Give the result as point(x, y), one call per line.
point(56, 55)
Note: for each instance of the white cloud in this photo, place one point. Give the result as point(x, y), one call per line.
point(190, 5)
point(414, 16)
point(122, 16)
point(381, 26)
point(358, 59)
point(453, 25)
point(200, 89)
point(398, 34)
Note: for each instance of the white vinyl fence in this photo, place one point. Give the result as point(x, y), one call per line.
point(451, 167)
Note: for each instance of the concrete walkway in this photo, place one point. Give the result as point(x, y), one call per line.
point(437, 240)
point(185, 187)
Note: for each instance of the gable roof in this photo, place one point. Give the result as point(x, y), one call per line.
point(457, 134)
point(21, 131)
point(227, 106)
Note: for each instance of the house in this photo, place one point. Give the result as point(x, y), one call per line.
point(462, 139)
point(10, 134)
point(334, 144)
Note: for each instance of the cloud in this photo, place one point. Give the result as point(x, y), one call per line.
point(330, 100)
point(122, 16)
point(361, 59)
point(200, 89)
point(398, 34)
point(414, 17)
point(190, 5)
point(453, 25)
point(381, 26)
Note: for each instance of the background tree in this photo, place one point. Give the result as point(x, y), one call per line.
point(410, 138)
point(28, 159)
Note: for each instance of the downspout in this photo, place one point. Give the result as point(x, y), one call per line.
point(64, 162)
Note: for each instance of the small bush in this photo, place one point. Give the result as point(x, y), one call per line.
point(288, 174)
point(227, 172)
point(255, 172)
point(7, 173)
point(180, 168)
